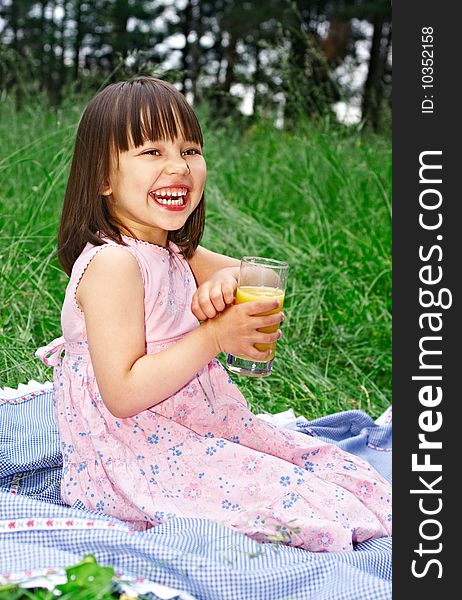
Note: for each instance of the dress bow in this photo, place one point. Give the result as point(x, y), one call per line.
point(50, 355)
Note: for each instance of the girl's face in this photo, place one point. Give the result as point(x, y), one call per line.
point(155, 187)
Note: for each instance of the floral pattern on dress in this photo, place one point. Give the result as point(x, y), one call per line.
point(201, 452)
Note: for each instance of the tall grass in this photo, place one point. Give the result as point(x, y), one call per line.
point(319, 199)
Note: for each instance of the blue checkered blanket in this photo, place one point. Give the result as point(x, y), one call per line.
point(205, 559)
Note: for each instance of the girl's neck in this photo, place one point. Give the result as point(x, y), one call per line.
point(157, 238)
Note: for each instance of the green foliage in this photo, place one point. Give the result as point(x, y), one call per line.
point(87, 580)
point(283, 54)
point(85, 577)
point(318, 197)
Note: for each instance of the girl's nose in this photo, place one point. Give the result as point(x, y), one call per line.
point(177, 165)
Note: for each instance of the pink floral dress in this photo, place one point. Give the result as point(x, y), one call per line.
point(201, 452)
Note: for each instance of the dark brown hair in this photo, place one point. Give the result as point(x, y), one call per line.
point(124, 113)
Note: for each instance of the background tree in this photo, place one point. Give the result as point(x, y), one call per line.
point(378, 81)
point(286, 55)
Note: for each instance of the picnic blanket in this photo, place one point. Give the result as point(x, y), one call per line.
point(192, 558)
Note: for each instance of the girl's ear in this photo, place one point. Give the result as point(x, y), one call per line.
point(106, 190)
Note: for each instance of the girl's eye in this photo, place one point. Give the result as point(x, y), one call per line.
point(188, 152)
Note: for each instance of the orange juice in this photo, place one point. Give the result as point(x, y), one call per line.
point(250, 293)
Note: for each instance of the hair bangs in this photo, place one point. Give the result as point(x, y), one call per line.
point(150, 111)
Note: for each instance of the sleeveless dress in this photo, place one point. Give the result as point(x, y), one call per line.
point(201, 452)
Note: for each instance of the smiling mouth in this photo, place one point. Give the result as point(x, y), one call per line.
point(171, 198)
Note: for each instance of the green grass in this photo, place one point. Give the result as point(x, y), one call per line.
point(319, 199)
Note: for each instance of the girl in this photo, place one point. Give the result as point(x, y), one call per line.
point(151, 426)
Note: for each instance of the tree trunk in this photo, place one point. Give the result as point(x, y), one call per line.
point(219, 49)
point(230, 55)
point(372, 95)
point(119, 37)
point(296, 90)
point(256, 81)
point(78, 38)
point(386, 66)
point(14, 18)
point(62, 40)
point(186, 22)
point(50, 37)
point(196, 52)
point(14, 25)
point(44, 55)
point(335, 45)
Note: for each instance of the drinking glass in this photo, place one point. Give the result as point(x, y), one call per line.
point(259, 279)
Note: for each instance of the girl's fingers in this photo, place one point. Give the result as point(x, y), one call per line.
point(198, 313)
point(195, 309)
point(203, 302)
point(261, 306)
point(209, 309)
point(228, 293)
point(258, 354)
point(268, 320)
point(252, 352)
point(212, 298)
point(268, 338)
point(216, 299)
point(201, 307)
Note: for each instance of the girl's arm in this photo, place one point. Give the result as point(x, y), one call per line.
point(111, 295)
point(205, 263)
point(216, 277)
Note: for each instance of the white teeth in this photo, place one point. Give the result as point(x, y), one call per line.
point(171, 192)
point(170, 201)
point(168, 197)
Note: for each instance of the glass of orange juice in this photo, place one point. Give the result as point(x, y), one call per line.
point(259, 279)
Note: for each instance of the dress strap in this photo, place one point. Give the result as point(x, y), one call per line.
point(50, 354)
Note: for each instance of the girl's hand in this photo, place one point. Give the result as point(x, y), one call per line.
point(235, 330)
point(213, 296)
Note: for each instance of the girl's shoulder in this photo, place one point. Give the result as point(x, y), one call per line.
point(91, 250)
point(151, 258)
point(88, 274)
